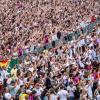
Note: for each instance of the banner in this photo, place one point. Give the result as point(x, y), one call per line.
point(12, 63)
point(4, 63)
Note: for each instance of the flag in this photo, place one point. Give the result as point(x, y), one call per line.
point(4, 63)
point(11, 65)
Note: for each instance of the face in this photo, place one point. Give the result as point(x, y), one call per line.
point(71, 85)
point(37, 86)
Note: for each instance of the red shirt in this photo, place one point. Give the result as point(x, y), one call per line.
point(93, 19)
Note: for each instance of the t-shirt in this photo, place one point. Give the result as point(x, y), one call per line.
point(53, 97)
point(98, 97)
point(81, 43)
point(14, 72)
point(89, 91)
point(38, 91)
point(54, 37)
point(22, 96)
point(62, 94)
point(83, 24)
point(71, 90)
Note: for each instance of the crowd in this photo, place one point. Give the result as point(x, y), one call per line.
point(26, 22)
point(66, 72)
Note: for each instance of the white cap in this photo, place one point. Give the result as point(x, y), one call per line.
point(8, 96)
point(28, 91)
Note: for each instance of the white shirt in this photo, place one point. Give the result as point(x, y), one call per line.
point(81, 43)
point(71, 90)
point(62, 94)
point(4, 74)
point(54, 37)
point(98, 97)
point(38, 91)
point(89, 91)
point(53, 97)
point(99, 82)
point(1, 80)
point(83, 24)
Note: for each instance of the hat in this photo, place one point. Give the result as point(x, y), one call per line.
point(28, 91)
point(88, 63)
point(7, 96)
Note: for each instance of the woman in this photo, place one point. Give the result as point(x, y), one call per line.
point(83, 95)
point(7, 95)
point(52, 95)
point(97, 93)
point(44, 95)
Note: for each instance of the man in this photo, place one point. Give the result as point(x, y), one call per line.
point(89, 87)
point(14, 72)
point(62, 94)
point(71, 89)
point(58, 34)
point(48, 82)
point(38, 90)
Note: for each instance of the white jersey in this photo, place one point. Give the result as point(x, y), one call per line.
point(62, 94)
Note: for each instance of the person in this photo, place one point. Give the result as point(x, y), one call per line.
point(62, 94)
point(14, 60)
point(38, 90)
point(71, 89)
point(83, 95)
point(32, 96)
point(97, 93)
point(58, 34)
point(77, 93)
point(48, 82)
point(14, 72)
point(26, 28)
point(1, 88)
point(89, 89)
point(52, 95)
point(44, 95)
point(7, 95)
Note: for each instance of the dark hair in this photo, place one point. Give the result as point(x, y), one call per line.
point(44, 92)
point(62, 87)
point(33, 92)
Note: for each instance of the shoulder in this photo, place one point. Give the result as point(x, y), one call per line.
point(59, 92)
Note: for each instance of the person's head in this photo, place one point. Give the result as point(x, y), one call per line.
point(37, 85)
point(52, 91)
point(7, 90)
point(71, 84)
point(34, 92)
point(44, 92)
point(15, 67)
point(15, 49)
point(62, 86)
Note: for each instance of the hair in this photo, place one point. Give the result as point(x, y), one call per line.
point(62, 87)
point(44, 92)
point(52, 90)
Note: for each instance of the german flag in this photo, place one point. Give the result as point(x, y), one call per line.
point(4, 63)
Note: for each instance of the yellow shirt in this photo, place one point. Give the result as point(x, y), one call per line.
point(14, 72)
point(23, 96)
